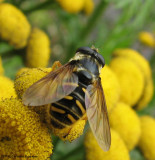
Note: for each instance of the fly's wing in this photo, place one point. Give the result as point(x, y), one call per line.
point(52, 87)
point(97, 114)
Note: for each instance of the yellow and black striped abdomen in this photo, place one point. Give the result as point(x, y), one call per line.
point(68, 110)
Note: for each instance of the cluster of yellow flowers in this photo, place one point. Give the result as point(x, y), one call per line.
point(77, 5)
point(15, 28)
point(22, 134)
point(128, 130)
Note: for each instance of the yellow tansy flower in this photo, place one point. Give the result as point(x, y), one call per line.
point(136, 57)
point(147, 38)
point(38, 49)
point(21, 132)
point(110, 86)
point(25, 78)
point(88, 7)
point(14, 26)
point(125, 121)
point(1, 67)
point(72, 6)
point(147, 139)
point(147, 95)
point(130, 78)
point(145, 68)
point(118, 150)
point(6, 88)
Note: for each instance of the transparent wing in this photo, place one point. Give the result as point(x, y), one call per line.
point(97, 114)
point(51, 88)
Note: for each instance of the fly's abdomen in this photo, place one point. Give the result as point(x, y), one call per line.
point(68, 110)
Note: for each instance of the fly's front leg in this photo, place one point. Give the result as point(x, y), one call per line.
point(56, 65)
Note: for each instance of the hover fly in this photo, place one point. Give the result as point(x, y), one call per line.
point(73, 90)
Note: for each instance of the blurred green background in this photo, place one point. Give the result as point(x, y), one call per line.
point(113, 24)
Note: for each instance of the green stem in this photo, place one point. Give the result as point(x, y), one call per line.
point(78, 149)
point(43, 5)
point(87, 30)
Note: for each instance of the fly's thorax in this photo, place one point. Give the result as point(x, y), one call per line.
point(88, 68)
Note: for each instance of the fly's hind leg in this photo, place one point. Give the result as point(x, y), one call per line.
point(56, 65)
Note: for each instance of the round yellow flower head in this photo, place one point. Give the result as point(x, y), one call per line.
point(72, 6)
point(1, 67)
point(147, 95)
point(38, 49)
point(25, 78)
point(145, 68)
point(14, 26)
point(6, 88)
point(110, 86)
point(147, 139)
point(136, 57)
point(21, 132)
point(125, 121)
point(21, 71)
point(130, 78)
point(88, 7)
point(147, 39)
point(118, 150)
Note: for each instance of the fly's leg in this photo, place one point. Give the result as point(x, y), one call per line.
point(56, 65)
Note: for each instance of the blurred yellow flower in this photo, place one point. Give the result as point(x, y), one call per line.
point(147, 39)
point(147, 95)
point(145, 68)
point(14, 26)
point(118, 150)
point(72, 6)
point(136, 57)
point(1, 1)
point(6, 88)
point(88, 7)
point(1, 67)
point(147, 139)
point(125, 121)
point(130, 78)
point(110, 86)
point(21, 132)
point(38, 49)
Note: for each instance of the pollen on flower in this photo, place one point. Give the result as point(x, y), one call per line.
point(72, 6)
point(147, 139)
point(1, 67)
point(147, 39)
point(21, 132)
point(125, 121)
point(6, 88)
point(26, 77)
point(38, 49)
point(14, 26)
point(145, 68)
point(110, 86)
point(130, 78)
point(118, 150)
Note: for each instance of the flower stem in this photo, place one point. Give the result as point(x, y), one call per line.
point(74, 151)
point(43, 5)
point(87, 29)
